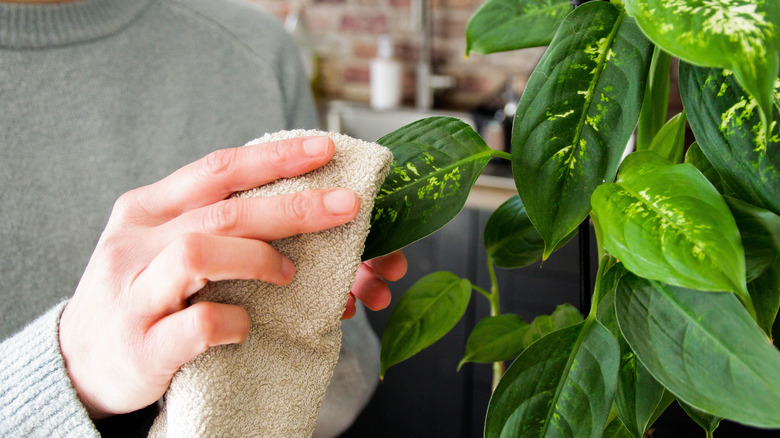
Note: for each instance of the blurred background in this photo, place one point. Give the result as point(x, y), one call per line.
point(345, 35)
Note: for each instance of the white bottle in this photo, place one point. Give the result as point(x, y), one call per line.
point(385, 76)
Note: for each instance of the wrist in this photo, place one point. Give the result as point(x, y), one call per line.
point(70, 349)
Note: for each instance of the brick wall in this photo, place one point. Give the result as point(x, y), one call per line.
point(344, 33)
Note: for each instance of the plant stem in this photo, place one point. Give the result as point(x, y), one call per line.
point(501, 154)
point(606, 261)
point(484, 293)
point(495, 305)
point(499, 368)
point(655, 104)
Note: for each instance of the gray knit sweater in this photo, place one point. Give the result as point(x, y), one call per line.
point(101, 96)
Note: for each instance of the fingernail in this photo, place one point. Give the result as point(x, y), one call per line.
point(288, 268)
point(340, 201)
point(315, 146)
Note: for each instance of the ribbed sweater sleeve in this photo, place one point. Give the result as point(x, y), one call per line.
point(36, 395)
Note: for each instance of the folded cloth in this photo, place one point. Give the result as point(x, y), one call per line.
point(272, 385)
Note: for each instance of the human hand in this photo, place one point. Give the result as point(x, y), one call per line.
point(370, 287)
point(128, 327)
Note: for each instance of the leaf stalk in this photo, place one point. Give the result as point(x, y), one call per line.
point(499, 368)
point(501, 154)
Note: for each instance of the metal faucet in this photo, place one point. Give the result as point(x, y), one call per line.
point(427, 82)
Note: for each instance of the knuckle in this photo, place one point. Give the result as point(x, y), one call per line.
point(132, 207)
point(117, 260)
point(189, 251)
point(223, 216)
point(216, 163)
point(275, 152)
point(115, 253)
point(297, 207)
point(125, 204)
point(113, 247)
point(269, 263)
point(206, 325)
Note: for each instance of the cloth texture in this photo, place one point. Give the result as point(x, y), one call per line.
point(273, 384)
point(100, 97)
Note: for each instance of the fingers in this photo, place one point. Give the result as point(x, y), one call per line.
point(370, 289)
point(349, 308)
point(184, 267)
point(391, 267)
point(226, 171)
point(270, 218)
point(182, 336)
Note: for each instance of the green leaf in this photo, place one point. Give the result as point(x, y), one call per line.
point(655, 104)
point(703, 347)
point(563, 316)
point(495, 339)
point(776, 333)
point(562, 385)
point(607, 283)
point(576, 116)
point(639, 396)
point(759, 230)
point(511, 239)
point(436, 162)
point(667, 222)
point(500, 25)
point(695, 156)
point(425, 313)
point(707, 422)
point(739, 35)
point(615, 428)
point(728, 129)
point(765, 293)
point(670, 140)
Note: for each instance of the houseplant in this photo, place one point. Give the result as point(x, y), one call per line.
point(688, 283)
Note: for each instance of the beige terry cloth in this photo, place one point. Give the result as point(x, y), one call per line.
point(273, 384)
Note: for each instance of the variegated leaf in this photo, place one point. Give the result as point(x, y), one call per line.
point(724, 119)
point(667, 222)
point(576, 115)
point(739, 35)
point(435, 163)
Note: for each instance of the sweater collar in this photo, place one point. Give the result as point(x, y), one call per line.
point(37, 26)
